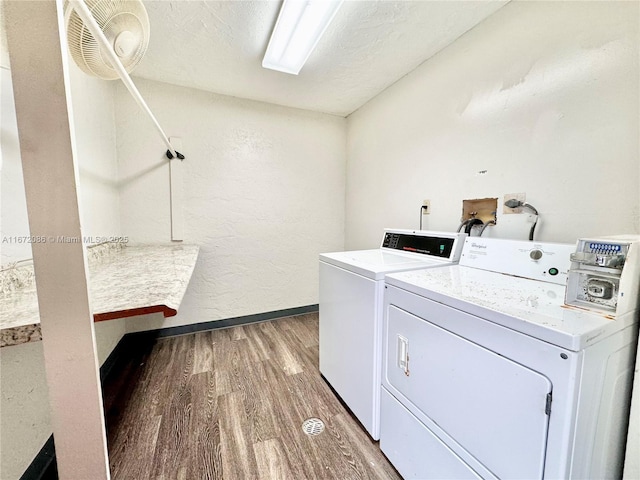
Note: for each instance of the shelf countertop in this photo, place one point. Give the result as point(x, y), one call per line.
point(124, 281)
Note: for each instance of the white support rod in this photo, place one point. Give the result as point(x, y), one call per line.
point(85, 14)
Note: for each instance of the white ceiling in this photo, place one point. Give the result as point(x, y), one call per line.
point(218, 46)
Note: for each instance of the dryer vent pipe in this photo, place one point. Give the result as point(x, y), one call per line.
point(469, 224)
point(513, 203)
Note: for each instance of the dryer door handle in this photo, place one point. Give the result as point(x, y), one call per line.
point(403, 354)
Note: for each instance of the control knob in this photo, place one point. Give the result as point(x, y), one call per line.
point(535, 254)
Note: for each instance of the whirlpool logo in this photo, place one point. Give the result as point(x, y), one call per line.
point(475, 245)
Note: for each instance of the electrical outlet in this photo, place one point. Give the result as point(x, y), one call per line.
point(427, 205)
point(517, 196)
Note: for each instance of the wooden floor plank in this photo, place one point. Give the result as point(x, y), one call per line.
point(360, 441)
point(172, 449)
point(283, 354)
point(290, 420)
point(203, 353)
point(153, 377)
point(312, 396)
point(261, 403)
point(271, 460)
point(302, 328)
point(221, 347)
point(223, 381)
point(205, 439)
point(257, 347)
point(141, 446)
point(229, 404)
point(237, 333)
point(238, 460)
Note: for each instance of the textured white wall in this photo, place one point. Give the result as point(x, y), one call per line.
point(542, 95)
point(24, 414)
point(4, 50)
point(94, 121)
point(13, 205)
point(264, 195)
point(93, 112)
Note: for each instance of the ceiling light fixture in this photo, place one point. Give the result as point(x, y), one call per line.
point(298, 29)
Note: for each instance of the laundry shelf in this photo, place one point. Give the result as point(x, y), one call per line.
point(124, 281)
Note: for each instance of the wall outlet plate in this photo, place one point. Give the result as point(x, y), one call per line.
point(426, 203)
point(517, 196)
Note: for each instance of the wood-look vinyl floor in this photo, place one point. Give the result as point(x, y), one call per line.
point(229, 404)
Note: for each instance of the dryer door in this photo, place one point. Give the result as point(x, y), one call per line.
point(492, 407)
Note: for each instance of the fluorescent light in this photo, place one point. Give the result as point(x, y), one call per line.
point(298, 29)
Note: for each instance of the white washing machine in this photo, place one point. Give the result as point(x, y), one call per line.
point(488, 374)
point(351, 294)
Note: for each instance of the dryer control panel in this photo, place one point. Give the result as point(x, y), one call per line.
point(433, 244)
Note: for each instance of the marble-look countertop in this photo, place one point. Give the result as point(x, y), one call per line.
point(123, 281)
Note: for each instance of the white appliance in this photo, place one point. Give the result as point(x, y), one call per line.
point(488, 374)
point(351, 294)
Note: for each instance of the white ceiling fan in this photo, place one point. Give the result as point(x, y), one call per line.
point(107, 39)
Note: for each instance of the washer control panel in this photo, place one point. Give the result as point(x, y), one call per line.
point(546, 262)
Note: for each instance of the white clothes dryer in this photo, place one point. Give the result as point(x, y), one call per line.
point(487, 373)
point(351, 294)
